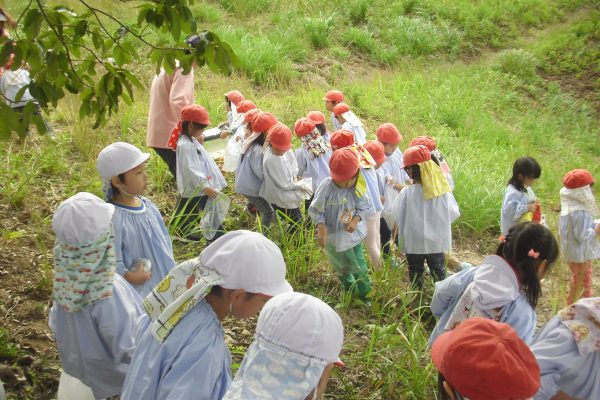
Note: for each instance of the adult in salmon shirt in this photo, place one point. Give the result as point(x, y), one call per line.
point(169, 93)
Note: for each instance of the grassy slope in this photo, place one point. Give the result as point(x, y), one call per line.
point(395, 63)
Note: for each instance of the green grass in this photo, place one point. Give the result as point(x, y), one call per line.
point(484, 113)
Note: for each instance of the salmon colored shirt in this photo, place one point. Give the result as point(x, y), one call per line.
point(168, 95)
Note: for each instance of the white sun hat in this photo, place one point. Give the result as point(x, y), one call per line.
point(118, 158)
point(247, 260)
point(81, 218)
point(304, 324)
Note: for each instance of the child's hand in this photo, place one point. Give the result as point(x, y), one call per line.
point(531, 207)
point(210, 192)
point(597, 229)
point(398, 186)
point(137, 276)
point(322, 234)
point(224, 134)
point(382, 199)
point(351, 227)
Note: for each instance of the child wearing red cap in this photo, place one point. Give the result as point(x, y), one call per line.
point(236, 128)
point(198, 177)
point(280, 169)
point(395, 178)
point(235, 117)
point(579, 232)
point(567, 350)
point(424, 215)
point(332, 98)
point(318, 118)
point(484, 360)
point(344, 138)
point(339, 210)
point(505, 287)
point(313, 155)
point(519, 202)
point(350, 122)
point(250, 176)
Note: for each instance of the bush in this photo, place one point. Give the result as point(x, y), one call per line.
point(318, 30)
point(519, 63)
point(359, 39)
point(357, 11)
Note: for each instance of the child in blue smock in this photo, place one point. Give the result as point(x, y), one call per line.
point(519, 201)
point(318, 118)
point(280, 186)
point(95, 315)
point(567, 350)
point(183, 354)
point(350, 122)
point(341, 139)
point(313, 154)
point(579, 232)
point(199, 180)
point(333, 98)
point(424, 213)
point(250, 176)
point(505, 287)
point(339, 210)
point(142, 242)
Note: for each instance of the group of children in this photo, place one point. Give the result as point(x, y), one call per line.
point(128, 321)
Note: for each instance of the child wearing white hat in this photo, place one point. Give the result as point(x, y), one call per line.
point(96, 314)
point(183, 354)
point(142, 242)
point(298, 336)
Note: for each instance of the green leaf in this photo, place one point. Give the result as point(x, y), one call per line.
point(32, 23)
point(119, 55)
point(80, 28)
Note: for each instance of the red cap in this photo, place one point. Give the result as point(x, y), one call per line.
point(280, 137)
point(578, 178)
point(376, 150)
point(415, 155)
point(426, 141)
point(245, 106)
point(334, 95)
point(388, 133)
point(343, 164)
point(263, 121)
point(235, 97)
point(340, 108)
point(195, 113)
point(317, 117)
point(303, 127)
point(486, 360)
point(341, 138)
point(250, 114)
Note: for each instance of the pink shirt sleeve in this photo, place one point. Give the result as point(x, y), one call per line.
point(168, 95)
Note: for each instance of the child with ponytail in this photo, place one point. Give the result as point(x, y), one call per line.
point(506, 287)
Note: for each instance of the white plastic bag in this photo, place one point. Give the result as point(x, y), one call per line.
point(233, 152)
point(305, 188)
point(387, 214)
point(214, 215)
point(71, 388)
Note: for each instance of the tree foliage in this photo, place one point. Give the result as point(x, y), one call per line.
point(90, 54)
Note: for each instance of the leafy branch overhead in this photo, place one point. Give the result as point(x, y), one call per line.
point(88, 53)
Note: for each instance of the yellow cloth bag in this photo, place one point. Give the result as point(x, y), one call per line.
point(433, 180)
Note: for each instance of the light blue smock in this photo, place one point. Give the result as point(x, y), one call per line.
point(328, 206)
point(96, 343)
point(578, 240)
point(196, 170)
point(519, 314)
point(514, 205)
point(316, 168)
point(140, 232)
point(279, 186)
point(393, 167)
point(372, 188)
point(335, 122)
point(561, 365)
point(250, 175)
point(360, 135)
point(424, 226)
point(192, 363)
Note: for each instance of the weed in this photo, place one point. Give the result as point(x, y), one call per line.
point(519, 63)
point(318, 30)
point(360, 40)
point(357, 11)
point(8, 350)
